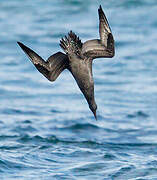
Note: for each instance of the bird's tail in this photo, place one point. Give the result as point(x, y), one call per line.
point(71, 44)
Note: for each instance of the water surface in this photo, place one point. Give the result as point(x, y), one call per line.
point(46, 129)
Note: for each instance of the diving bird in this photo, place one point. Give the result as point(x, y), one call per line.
point(78, 58)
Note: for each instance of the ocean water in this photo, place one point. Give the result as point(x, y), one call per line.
point(46, 129)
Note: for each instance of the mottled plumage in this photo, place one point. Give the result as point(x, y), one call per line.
point(78, 58)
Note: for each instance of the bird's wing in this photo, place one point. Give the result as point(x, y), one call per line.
point(50, 68)
point(103, 47)
point(104, 28)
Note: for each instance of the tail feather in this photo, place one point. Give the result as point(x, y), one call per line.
point(71, 44)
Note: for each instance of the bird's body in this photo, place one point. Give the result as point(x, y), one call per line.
point(82, 72)
point(81, 68)
point(78, 58)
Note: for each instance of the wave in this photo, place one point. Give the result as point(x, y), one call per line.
point(138, 114)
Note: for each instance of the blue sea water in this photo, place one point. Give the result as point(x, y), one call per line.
point(46, 129)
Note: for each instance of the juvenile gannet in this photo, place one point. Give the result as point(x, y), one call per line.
point(78, 58)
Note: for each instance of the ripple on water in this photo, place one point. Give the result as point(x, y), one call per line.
point(78, 126)
point(123, 172)
point(138, 114)
point(46, 129)
point(10, 111)
point(10, 165)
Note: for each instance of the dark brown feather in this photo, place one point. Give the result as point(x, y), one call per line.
point(103, 47)
point(71, 44)
point(50, 68)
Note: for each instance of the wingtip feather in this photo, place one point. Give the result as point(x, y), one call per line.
point(100, 8)
point(103, 19)
point(20, 44)
point(24, 48)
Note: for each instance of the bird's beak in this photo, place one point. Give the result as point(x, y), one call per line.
point(94, 112)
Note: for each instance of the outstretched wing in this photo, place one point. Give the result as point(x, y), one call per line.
point(50, 68)
point(105, 46)
point(104, 28)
